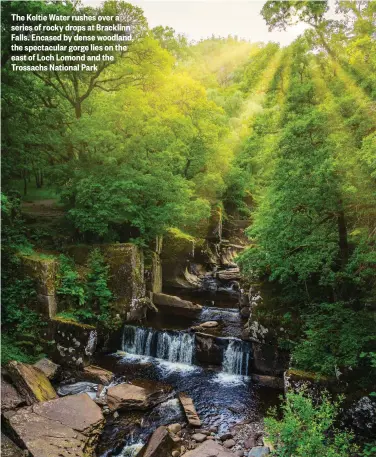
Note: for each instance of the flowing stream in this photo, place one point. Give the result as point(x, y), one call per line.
point(167, 351)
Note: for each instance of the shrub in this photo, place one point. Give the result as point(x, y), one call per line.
point(308, 429)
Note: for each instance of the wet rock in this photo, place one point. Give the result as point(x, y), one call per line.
point(229, 444)
point(273, 382)
point(252, 440)
point(144, 395)
point(62, 427)
point(209, 449)
point(77, 388)
point(259, 451)
point(245, 312)
point(74, 343)
point(268, 359)
point(31, 382)
point(229, 275)
point(50, 369)
point(160, 444)
point(209, 349)
point(209, 324)
point(174, 428)
point(9, 449)
point(175, 454)
point(363, 416)
point(10, 398)
point(226, 436)
point(190, 410)
point(96, 374)
point(172, 304)
point(213, 429)
point(199, 437)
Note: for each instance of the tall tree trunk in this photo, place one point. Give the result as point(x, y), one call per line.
point(342, 238)
point(78, 110)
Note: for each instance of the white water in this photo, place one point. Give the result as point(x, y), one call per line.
point(174, 347)
point(235, 359)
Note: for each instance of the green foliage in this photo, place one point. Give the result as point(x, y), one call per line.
point(98, 294)
point(335, 338)
point(308, 429)
point(87, 299)
point(12, 348)
point(69, 282)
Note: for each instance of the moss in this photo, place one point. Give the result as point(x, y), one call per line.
point(42, 387)
point(308, 375)
point(64, 320)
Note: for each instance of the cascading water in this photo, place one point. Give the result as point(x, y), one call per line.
point(236, 358)
point(176, 347)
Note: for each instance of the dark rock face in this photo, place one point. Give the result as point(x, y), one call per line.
point(209, 349)
point(269, 360)
point(74, 343)
point(362, 416)
point(9, 449)
point(10, 398)
point(31, 382)
point(64, 427)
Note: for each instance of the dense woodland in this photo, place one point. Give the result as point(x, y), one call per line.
point(283, 137)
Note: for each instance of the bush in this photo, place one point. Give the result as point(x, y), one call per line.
point(307, 429)
point(335, 337)
point(69, 284)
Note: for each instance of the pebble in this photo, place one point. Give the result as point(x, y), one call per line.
point(199, 437)
point(174, 428)
point(226, 436)
point(229, 444)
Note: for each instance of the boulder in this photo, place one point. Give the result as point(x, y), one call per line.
point(160, 444)
point(259, 451)
point(140, 395)
point(190, 410)
point(9, 449)
point(174, 428)
point(64, 427)
point(229, 444)
point(10, 398)
point(199, 437)
point(209, 448)
point(96, 374)
point(209, 349)
point(31, 382)
point(50, 369)
point(231, 274)
point(268, 359)
point(252, 440)
point(175, 305)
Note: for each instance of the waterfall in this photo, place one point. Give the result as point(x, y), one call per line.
point(236, 358)
point(172, 346)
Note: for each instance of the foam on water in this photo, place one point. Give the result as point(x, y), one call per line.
point(131, 450)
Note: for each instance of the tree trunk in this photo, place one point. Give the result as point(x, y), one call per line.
point(342, 238)
point(78, 110)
